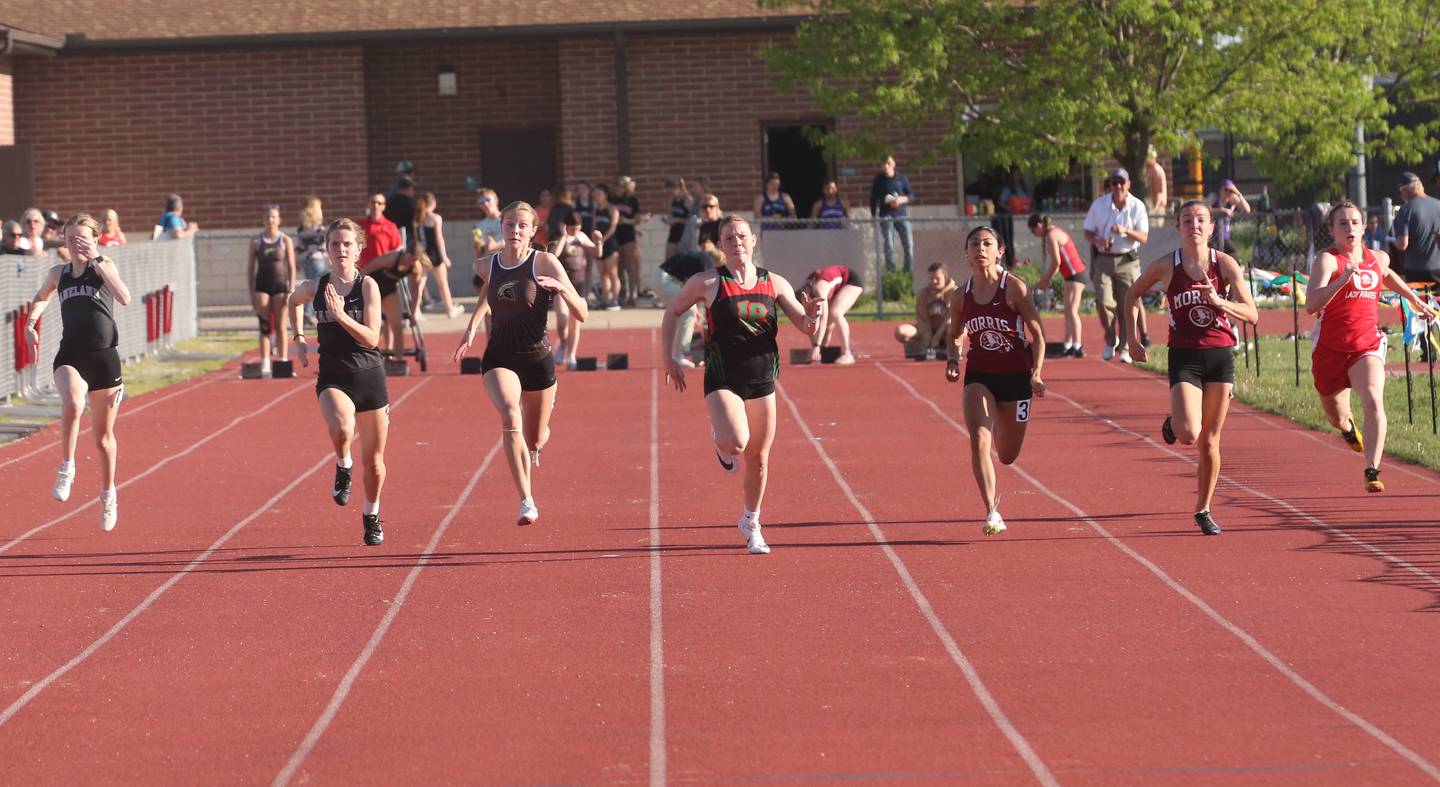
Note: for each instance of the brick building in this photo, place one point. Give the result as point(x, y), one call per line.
point(110, 107)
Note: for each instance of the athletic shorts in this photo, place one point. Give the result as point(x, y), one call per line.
point(1006, 388)
point(387, 285)
point(1198, 367)
point(611, 246)
point(1331, 368)
point(754, 378)
point(577, 278)
point(625, 234)
point(1078, 278)
point(536, 371)
point(677, 231)
point(856, 280)
point(100, 369)
point(365, 388)
point(270, 286)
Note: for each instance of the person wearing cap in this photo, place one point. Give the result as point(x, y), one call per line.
point(1116, 225)
point(1417, 237)
point(1225, 203)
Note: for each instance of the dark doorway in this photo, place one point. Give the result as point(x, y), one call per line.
point(19, 180)
point(802, 165)
point(517, 162)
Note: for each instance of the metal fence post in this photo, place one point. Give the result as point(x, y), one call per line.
point(879, 226)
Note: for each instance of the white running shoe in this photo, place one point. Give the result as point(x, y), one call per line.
point(63, 480)
point(754, 541)
point(109, 512)
point(845, 360)
point(994, 523)
point(528, 513)
point(1107, 353)
point(1124, 357)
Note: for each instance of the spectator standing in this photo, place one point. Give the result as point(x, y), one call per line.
point(1116, 225)
point(172, 224)
point(681, 208)
point(585, 206)
point(1157, 198)
point(32, 233)
point(486, 235)
point(400, 207)
point(1014, 200)
point(542, 219)
point(559, 212)
point(1417, 237)
point(830, 207)
point(431, 227)
point(1225, 203)
point(772, 203)
point(381, 234)
point(890, 194)
point(112, 235)
point(627, 237)
point(310, 248)
point(10, 239)
point(1375, 238)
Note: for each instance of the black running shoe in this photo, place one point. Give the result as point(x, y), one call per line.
point(1353, 438)
point(1372, 480)
point(1167, 431)
point(1144, 340)
point(341, 492)
point(1078, 353)
point(1207, 523)
point(374, 530)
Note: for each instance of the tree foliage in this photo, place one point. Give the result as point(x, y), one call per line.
point(1045, 84)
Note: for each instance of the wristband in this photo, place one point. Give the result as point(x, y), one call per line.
point(297, 337)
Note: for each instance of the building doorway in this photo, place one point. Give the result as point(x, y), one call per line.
point(803, 165)
point(517, 163)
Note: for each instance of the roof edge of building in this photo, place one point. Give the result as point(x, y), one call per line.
point(80, 44)
point(14, 41)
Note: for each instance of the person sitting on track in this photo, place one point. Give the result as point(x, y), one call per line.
point(1002, 370)
point(351, 384)
point(741, 358)
point(88, 363)
point(932, 311)
point(1202, 343)
point(518, 364)
point(840, 286)
point(1062, 257)
point(1348, 348)
point(388, 270)
point(270, 270)
point(574, 250)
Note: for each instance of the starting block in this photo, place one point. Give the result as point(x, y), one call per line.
point(1054, 349)
point(282, 370)
point(250, 371)
point(917, 351)
point(613, 362)
point(799, 356)
point(396, 367)
point(617, 361)
point(471, 365)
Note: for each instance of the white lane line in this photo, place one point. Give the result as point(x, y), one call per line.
point(125, 413)
point(972, 676)
point(351, 675)
point(657, 633)
point(1253, 644)
point(167, 460)
point(155, 594)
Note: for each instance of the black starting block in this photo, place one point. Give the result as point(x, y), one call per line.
point(613, 362)
point(799, 356)
point(282, 370)
point(250, 371)
point(917, 351)
point(471, 365)
point(1054, 349)
point(396, 367)
point(829, 354)
point(586, 363)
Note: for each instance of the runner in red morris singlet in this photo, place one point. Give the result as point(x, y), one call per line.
point(1202, 345)
point(742, 305)
point(1348, 347)
point(1002, 372)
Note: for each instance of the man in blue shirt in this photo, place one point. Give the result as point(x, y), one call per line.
point(172, 224)
point(890, 192)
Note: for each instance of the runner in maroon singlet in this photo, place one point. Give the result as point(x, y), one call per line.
point(1003, 370)
point(1202, 343)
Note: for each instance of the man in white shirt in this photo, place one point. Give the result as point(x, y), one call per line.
point(1116, 225)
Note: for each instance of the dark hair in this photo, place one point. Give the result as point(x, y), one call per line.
point(985, 228)
point(1039, 220)
point(572, 219)
point(605, 187)
point(172, 202)
point(1193, 203)
point(772, 176)
point(935, 266)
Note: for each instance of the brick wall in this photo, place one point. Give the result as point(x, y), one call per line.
point(227, 130)
point(7, 105)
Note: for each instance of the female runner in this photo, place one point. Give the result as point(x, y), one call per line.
point(519, 367)
point(840, 287)
point(1003, 369)
point(88, 363)
point(1062, 257)
point(1202, 343)
point(351, 384)
point(741, 358)
point(271, 273)
point(1348, 347)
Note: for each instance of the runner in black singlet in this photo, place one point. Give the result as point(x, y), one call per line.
point(351, 384)
point(741, 358)
point(271, 273)
point(88, 363)
point(519, 368)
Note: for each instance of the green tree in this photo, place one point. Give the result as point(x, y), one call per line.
point(1043, 85)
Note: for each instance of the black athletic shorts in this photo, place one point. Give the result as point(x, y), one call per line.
point(625, 233)
point(750, 378)
point(100, 369)
point(387, 285)
point(1005, 387)
point(536, 371)
point(270, 286)
point(677, 231)
point(366, 388)
point(611, 247)
point(1080, 277)
point(1197, 367)
point(856, 280)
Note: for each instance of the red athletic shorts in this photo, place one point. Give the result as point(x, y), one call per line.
point(1331, 367)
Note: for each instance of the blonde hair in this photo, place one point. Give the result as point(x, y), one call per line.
point(311, 216)
point(518, 206)
point(1339, 206)
point(346, 224)
point(424, 206)
point(481, 194)
point(111, 214)
point(83, 220)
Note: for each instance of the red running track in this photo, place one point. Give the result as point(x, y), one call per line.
point(233, 630)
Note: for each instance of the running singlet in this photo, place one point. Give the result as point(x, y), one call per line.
point(740, 328)
point(270, 260)
point(586, 211)
point(1070, 262)
point(601, 220)
point(828, 211)
point(87, 312)
point(1350, 321)
point(774, 207)
point(1194, 323)
point(677, 209)
point(339, 351)
point(520, 306)
point(996, 331)
point(432, 242)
